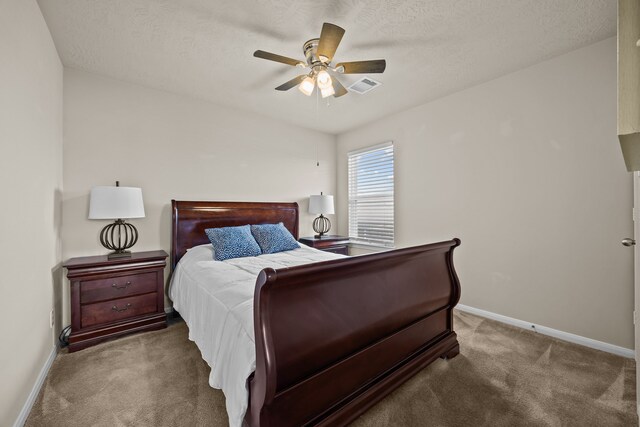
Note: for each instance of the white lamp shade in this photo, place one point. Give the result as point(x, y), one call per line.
point(116, 203)
point(321, 204)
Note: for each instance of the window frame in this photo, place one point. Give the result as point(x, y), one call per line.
point(351, 201)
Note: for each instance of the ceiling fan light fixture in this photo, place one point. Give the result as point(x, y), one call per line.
point(327, 91)
point(324, 79)
point(319, 54)
point(307, 86)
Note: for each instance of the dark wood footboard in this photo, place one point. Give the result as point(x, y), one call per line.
point(333, 338)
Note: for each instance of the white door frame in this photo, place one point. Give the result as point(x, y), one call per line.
point(636, 280)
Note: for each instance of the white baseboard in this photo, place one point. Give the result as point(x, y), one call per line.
point(31, 399)
point(168, 310)
point(565, 336)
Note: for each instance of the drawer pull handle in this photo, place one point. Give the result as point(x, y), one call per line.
point(120, 310)
point(126, 285)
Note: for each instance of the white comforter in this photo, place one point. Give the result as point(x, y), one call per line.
point(215, 299)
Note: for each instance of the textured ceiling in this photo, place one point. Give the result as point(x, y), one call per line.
point(204, 48)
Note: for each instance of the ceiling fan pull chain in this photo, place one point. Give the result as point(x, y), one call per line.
point(317, 114)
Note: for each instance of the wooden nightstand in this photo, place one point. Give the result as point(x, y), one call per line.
point(329, 243)
point(113, 297)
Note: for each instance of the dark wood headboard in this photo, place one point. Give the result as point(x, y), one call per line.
point(190, 219)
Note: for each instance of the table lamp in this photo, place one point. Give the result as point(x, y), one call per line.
point(321, 204)
point(117, 203)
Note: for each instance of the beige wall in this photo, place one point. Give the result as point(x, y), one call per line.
point(527, 171)
point(31, 176)
point(176, 147)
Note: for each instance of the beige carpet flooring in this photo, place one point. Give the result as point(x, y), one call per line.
point(503, 376)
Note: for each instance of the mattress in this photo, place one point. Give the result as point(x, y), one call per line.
point(215, 299)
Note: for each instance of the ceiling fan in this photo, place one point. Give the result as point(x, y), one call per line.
point(319, 54)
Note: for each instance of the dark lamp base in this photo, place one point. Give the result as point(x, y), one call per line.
point(321, 225)
point(118, 237)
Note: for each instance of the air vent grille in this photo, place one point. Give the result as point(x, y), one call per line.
point(364, 85)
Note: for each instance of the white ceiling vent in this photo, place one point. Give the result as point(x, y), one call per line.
point(364, 85)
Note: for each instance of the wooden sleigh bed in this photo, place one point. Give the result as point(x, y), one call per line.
point(334, 338)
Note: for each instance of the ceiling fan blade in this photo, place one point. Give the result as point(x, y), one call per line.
point(277, 58)
point(292, 83)
point(361, 67)
point(329, 40)
point(338, 89)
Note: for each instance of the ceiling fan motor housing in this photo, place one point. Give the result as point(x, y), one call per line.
point(310, 50)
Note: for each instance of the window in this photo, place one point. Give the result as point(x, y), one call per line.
point(371, 195)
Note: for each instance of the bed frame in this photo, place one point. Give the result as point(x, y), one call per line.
point(333, 338)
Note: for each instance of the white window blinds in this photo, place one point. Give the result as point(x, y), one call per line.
point(371, 195)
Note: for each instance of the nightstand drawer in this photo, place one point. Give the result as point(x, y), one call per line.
point(123, 308)
point(117, 287)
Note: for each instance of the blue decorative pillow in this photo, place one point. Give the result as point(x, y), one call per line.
point(232, 242)
point(273, 238)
